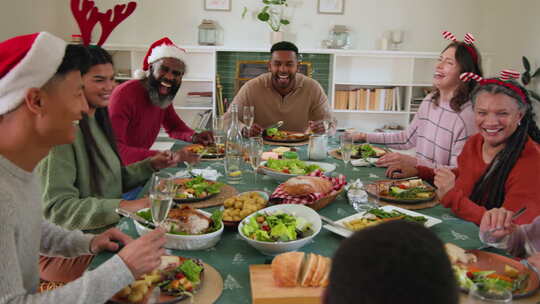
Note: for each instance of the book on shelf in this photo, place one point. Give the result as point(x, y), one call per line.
point(351, 104)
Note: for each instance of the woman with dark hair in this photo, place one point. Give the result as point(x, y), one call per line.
point(444, 120)
point(499, 166)
point(82, 183)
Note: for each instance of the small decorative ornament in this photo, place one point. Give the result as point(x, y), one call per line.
point(208, 32)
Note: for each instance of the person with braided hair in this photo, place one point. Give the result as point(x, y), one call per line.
point(499, 166)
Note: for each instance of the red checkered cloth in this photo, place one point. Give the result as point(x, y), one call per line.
point(284, 198)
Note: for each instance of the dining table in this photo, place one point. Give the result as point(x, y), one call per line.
point(232, 256)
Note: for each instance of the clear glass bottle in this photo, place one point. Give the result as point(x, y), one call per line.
point(233, 148)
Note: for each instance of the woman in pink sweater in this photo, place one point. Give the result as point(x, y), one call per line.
point(445, 118)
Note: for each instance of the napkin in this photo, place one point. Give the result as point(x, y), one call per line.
point(207, 173)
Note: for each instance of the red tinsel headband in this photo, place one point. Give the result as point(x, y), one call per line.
point(468, 40)
point(505, 75)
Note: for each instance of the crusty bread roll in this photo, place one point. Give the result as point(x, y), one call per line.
point(304, 185)
point(378, 151)
point(459, 255)
point(168, 262)
point(298, 269)
point(286, 268)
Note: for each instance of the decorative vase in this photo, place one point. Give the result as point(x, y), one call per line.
point(276, 37)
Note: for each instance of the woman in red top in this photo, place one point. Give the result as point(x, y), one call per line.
point(499, 166)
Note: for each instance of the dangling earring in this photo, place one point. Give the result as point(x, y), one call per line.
point(519, 123)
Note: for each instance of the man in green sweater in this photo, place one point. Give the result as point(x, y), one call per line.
point(41, 101)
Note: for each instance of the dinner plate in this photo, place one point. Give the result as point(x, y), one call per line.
point(193, 199)
point(209, 155)
point(287, 140)
point(496, 262)
point(356, 156)
point(373, 190)
point(280, 176)
point(431, 221)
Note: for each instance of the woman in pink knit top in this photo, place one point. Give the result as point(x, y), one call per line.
point(445, 118)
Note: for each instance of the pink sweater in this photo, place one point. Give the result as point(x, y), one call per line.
point(136, 122)
point(437, 132)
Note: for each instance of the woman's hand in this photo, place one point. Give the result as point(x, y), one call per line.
point(444, 181)
point(498, 222)
point(396, 159)
point(143, 255)
point(401, 171)
point(105, 241)
point(135, 205)
point(535, 260)
point(163, 159)
point(183, 155)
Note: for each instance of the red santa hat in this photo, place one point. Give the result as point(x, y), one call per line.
point(26, 62)
point(163, 48)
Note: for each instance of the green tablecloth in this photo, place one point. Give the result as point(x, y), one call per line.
point(232, 256)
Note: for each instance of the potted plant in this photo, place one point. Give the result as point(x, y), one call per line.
point(527, 77)
point(272, 13)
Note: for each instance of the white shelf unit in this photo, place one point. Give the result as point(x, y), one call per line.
point(199, 77)
point(410, 72)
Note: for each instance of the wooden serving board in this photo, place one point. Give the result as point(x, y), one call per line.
point(263, 290)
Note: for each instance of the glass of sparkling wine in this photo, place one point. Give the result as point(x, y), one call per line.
point(346, 144)
point(255, 148)
point(248, 116)
point(161, 195)
point(218, 128)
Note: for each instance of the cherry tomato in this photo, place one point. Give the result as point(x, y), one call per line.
point(179, 275)
point(402, 186)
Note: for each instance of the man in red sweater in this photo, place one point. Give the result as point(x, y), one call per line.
point(138, 108)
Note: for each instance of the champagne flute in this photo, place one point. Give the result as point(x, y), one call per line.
point(218, 128)
point(255, 148)
point(346, 148)
point(248, 116)
point(161, 195)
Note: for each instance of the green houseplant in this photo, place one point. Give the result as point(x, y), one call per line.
point(527, 76)
point(272, 13)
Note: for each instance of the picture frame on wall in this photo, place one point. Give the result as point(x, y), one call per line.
point(217, 5)
point(334, 7)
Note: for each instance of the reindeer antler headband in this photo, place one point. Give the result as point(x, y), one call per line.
point(87, 15)
point(505, 75)
point(468, 40)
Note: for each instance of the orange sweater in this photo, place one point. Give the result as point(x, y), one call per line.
point(521, 187)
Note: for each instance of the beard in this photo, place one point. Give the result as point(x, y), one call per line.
point(158, 99)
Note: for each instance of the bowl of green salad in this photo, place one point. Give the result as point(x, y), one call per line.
point(280, 228)
point(283, 169)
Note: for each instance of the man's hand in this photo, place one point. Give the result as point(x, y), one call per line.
point(105, 240)
point(162, 159)
point(319, 127)
point(500, 219)
point(183, 155)
point(135, 205)
point(254, 131)
point(204, 138)
point(401, 171)
point(444, 181)
point(396, 159)
point(144, 254)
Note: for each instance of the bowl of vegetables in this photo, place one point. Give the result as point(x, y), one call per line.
point(187, 228)
point(280, 228)
point(283, 169)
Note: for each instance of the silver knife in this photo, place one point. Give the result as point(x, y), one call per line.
point(332, 223)
point(134, 216)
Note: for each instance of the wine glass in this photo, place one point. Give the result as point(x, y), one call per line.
point(346, 144)
point(249, 116)
point(161, 195)
point(255, 149)
point(478, 294)
point(218, 129)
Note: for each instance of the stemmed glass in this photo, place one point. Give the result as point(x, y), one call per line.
point(478, 294)
point(346, 144)
point(255, 149)
point(161, 195)
point(218, 128)
point(248, 116)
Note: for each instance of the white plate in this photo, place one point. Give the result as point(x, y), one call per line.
point(279, 176)
point(431, 221)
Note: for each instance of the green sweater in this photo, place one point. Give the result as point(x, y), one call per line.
point(65, 181)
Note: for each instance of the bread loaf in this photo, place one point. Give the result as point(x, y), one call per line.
point(304, 185)
point(458, 254)
point(293, 269)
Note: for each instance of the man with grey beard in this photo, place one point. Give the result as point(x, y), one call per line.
point(138, 108)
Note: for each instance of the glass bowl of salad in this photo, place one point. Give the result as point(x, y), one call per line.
point(280, 228)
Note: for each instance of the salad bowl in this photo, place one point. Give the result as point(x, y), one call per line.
point(304, 217)
point(280, 176)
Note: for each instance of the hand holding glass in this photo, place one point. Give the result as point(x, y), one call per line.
point(161, 195)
